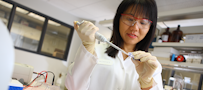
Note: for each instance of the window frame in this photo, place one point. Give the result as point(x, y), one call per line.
point(10, 22)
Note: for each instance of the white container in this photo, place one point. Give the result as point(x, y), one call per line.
point(196, 38)
point(197, 59)
point(189, 59)
point(199, 38)
point(191, 38)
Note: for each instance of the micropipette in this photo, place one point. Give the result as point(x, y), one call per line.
point(101, 38)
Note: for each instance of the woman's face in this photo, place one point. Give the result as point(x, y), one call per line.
point(132, 34)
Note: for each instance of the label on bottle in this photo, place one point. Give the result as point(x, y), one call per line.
point(164, 38)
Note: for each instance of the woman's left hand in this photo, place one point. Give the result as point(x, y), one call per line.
point(145, 67)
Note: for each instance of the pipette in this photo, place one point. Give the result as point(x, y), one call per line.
point(101, 38)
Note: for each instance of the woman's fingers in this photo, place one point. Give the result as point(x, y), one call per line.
point(87, 26)
point(140, 55)
point(86, 31)
point(137, 52)
point(153, 62)
point(150, 61)
point(147, 57)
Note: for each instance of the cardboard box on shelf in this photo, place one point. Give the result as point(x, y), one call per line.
point(166, 50)
point(195, 38)
point(199, 38)
point(39, 28)
point(24, 22)
point(163, 58)
point(161, 54)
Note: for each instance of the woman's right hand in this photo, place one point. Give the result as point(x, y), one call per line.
point(86, 32)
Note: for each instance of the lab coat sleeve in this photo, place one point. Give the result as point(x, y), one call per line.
point(78, 76)
point(158, 79)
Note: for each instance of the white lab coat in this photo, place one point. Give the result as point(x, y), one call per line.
point(101, 72)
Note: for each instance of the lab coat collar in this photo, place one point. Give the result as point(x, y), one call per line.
point(125, 63)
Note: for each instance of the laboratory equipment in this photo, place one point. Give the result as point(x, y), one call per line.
point(101, 38)
point(176, 83)
point(15, 85)
point(23, 72)
point(43, 86)
point(6, 57)
point(39, 84)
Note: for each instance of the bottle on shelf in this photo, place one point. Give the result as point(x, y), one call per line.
point(159, 40)
point(166, 35)
point(177, 35)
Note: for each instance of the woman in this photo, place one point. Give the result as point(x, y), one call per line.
point(105, 68)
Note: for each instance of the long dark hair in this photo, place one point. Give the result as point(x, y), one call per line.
point(149, 8)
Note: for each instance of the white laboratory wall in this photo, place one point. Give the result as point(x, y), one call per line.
point(40, 62)
point(104, 31)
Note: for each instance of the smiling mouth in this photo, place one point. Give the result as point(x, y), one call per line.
point(132, 35)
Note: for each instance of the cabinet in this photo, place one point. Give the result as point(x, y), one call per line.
point(178, 45)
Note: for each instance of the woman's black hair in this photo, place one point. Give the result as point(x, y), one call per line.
point(145, 8)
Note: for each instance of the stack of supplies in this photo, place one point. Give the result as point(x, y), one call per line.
point(164, 53)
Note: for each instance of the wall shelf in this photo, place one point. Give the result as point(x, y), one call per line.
point(175, 44)
point(182, 66)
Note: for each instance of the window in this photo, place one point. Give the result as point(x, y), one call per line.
point(55, 40)
point(26, 29)
point(5, 9)
point(35, 32)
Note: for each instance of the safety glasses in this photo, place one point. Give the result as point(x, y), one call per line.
point(130, 21)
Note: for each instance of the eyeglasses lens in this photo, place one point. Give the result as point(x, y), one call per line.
point(130, 21)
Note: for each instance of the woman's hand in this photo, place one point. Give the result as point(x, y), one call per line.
point(86, 31)
point(145, 67)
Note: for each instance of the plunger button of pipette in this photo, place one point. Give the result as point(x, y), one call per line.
point(78, 23)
